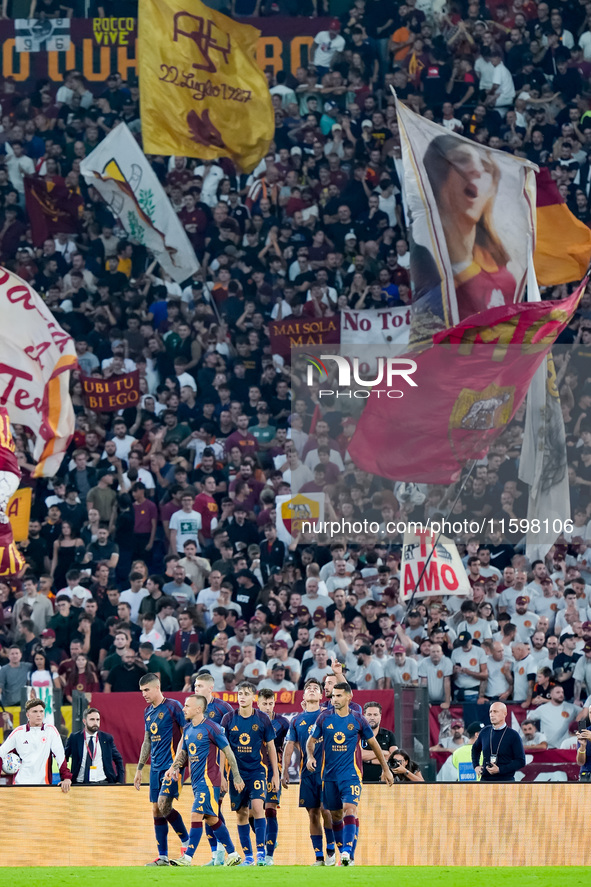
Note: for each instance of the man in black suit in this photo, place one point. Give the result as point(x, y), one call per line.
point(95, 757)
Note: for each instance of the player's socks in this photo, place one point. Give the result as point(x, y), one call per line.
point(317, 845)
point(161, 832)
point(349, 834)
point(175, 819)
point(329, 839)
point(213, 843)
point(194, 838)
point(356, 838)
point(244, 838)
point(260, 830)
point(272, 830)
point(222, 836)
point(337, 828)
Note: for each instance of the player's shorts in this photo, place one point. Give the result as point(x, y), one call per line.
point(207, 799)
point(161, 786)
point(310, 790)
point(255, 789)
point(273, 797)
point(335, 794)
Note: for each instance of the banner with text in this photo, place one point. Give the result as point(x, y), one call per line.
point(444, 573)
point(108, 395)
point(294, 332)
point(100, 45)
point(377, 325)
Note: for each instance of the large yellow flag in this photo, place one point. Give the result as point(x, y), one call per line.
point(202, 92)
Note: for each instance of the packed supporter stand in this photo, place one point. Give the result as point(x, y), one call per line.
point(154, 549)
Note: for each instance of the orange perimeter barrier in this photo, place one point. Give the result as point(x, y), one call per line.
point(474, 825)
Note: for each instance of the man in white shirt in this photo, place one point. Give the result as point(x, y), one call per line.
point(469, 668)
point(435, 673)
point(122, 440)
point(523, 671)
point(277, 680)
point(327, 45)
point(532, 739)
point(217, 669)
point(400, 669)
point(503, 88)
point(524, 619)
point(312, 600)
point(18, 165)
point(251, 668)
point(36, 743)
point(498, 686)
point(185, 525)
point(134, 595)
point(555, 717)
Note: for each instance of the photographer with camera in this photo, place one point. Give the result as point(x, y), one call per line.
point(584, 754)
point(501, 747)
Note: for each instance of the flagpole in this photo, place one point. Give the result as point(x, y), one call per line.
point(440, 533)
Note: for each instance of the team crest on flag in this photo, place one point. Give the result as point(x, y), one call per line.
point(292, 510)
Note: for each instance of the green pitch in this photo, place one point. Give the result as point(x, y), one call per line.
point(291, 876)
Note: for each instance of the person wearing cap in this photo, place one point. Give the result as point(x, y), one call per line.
point(327, 45)
point(291, 665)
point(277, 680)
point(369, 674)
point(461, 758)
point(247, 592)
point(524, 619)
point(457, 739)
point(582, 674)
point(415, 629)
point(372, 771)
point(400, 670)
point(507, 598)
point(469, 668)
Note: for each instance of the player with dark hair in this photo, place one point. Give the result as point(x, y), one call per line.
point(199, 747)
point(248, 731)
point(216, 709)
point(340, 730)
point(310, 783)
point(164, 721)
point(266, 703)
point(330, 682)
point(36, 744)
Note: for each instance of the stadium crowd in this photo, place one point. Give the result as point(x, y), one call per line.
point(155, 547)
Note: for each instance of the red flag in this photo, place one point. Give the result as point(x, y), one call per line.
point(563, 243)
point(469, 385)
point(52, 208)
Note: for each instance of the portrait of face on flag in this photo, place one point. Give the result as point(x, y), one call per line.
point(472, 215)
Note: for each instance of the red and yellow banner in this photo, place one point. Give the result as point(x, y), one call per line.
point(203, 93)
point(563, 243)
point(468, 386)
